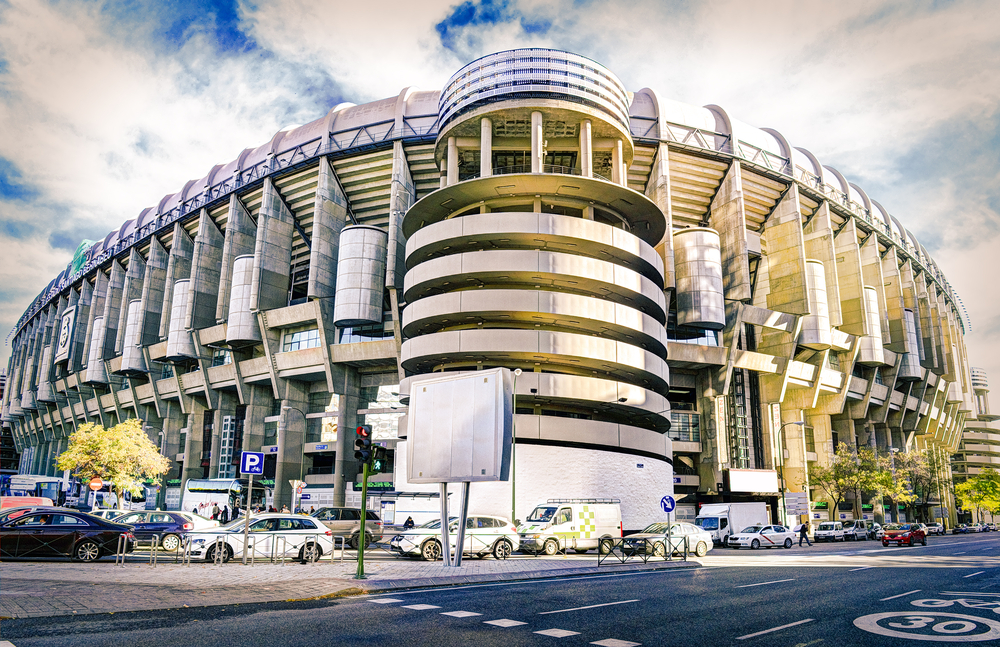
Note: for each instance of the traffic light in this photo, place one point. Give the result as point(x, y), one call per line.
point(378, 458)
point(363, 444)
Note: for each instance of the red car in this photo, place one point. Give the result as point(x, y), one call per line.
point(904, 533)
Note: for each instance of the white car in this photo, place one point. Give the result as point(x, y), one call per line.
point(654, 539)
point(756, 537)
point(109, 514)
point(483, 535)
point(282, 535)
point(829, 531)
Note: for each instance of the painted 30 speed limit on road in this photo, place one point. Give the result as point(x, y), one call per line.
point(955, 617)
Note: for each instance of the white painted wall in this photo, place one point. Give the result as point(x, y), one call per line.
point(544, 473)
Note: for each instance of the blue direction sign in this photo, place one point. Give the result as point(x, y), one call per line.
point(668, 504)
point(252, 463)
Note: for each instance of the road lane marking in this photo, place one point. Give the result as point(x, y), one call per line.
point(557, 633)
point(767, 631)
point(385, 600)
point(863, 568)
point(901, 595)
point(541, 580)
point(420, 607)
point(978, 593)
point(592, 606)
point(961, 553)
point(460, 614)
point(504, 622)
point(743, 586)
point(973, 574)
point(614, 642)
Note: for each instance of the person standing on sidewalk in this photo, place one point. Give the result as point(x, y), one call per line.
point(804, 534)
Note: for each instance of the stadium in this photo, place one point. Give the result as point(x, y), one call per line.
point(698, 307)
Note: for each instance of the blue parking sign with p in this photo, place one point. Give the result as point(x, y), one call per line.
point(252, 463)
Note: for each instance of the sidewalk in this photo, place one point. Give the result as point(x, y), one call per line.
point(31, 589)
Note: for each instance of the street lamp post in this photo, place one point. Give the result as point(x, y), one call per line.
point(513, 446)
point(781, 465)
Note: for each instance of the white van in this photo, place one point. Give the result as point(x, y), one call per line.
point(829, 531)
point(578, 524)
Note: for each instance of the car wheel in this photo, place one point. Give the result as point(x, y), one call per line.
point(502, 549)
point(170, 542)
point(923, 541)
point(725, 541)
point(227, 553)
point(659, 550)
point(87, 551)
point(755, 544)
point(310, 553)
point(606, 546)
point(551, 547)
point(431, 550)
point(701, 549)
point(788, 542)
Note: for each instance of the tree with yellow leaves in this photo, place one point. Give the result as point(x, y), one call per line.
point(122, 454)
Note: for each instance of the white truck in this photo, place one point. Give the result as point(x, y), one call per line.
point(724, 519)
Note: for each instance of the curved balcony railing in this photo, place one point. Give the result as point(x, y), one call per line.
point(526, 168)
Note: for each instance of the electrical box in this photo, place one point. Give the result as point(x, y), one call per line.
point(459, 427)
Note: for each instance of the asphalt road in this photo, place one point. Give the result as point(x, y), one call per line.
point(842, 594)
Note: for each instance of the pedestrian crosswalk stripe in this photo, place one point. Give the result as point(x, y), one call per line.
point(420, 607)
point(614, 642)
point(385, 600)
point(558, 633)
point(460, 614)
point(503, 623)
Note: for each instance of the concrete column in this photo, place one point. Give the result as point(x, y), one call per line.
point(537, 143)
point(291, 444)
point(452, 161)
point(616, 163)
point(444, 174)
point(193, 445)
point(348, 385)
point(586, 148)
point(330, 216)
point(485, 147)
point(728, 217)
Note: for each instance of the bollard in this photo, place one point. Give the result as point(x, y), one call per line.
point(154, 549)
point(185, 556)
point(120, 550)
point(284, 548)
point(220, 551)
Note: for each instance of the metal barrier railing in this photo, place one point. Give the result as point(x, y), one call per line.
point(219, 551)
point(185, 552)
point(154, 550)
point(625, 549)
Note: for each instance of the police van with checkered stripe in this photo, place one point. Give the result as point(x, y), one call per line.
point(572, 524)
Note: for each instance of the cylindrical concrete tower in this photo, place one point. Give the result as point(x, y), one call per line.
point(179, 344)
point(96, 373)
point(360, 276)
point(242, 325)
point(133, 363)
point(698, 267)
point(816, 325)
point(871, 351)
point(909, 369)
point(541, 267)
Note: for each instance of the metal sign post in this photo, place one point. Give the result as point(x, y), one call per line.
point(250, 463)
point(364, 524)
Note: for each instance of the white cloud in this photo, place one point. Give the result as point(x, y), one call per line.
point(103, 119)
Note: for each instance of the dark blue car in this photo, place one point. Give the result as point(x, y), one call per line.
point(149, 524)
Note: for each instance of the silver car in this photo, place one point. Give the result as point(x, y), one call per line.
point(346, 522)
point(484, 535)
point(283, 535)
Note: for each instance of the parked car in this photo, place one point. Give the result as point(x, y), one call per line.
point(109, 514)
point(484, 535)
point(829, 531)
point(199, 522)
point(992, 527)
point(285, 535)
point(935, 529)
point(346, 522)
point(756, 537)
point(874, 530)
point(855, 530)
point(904, 533)
point(10, 514)
point(62, 532)
point(654, 539)
point(168, 527)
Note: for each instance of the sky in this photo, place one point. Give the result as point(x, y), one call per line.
point(107, 106)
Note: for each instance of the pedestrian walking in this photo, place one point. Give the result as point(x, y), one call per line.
point(804, 534)
point(224, 519)
point(215, 512)
point(284, 509)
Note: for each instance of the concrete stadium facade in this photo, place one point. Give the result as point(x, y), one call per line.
point(676, 286)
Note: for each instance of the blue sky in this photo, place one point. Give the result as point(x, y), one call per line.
point(105, 107)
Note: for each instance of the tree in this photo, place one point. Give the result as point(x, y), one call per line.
point(122, 454)
point(922, 472)
point(839, 477)
point(980, 492)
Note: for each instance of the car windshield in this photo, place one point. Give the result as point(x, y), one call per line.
point(436, 523)
point(898, 526)
point(542, 514)
point(826, 526)
point(753, 529)
point(660, 528)
point(708, 523)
